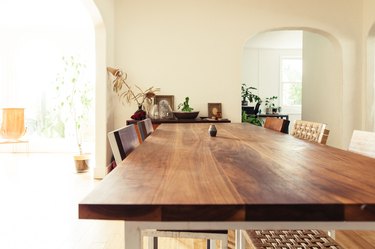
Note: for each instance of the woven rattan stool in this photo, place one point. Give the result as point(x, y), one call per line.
point(290, 239)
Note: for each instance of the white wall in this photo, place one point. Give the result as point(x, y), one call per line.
point(368, 101)
point(102, 16)
point(194, 48)
point(322, 89)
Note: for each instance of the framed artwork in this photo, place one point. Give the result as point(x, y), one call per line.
point(168, 99)
point(165, 106)
point(214, 110)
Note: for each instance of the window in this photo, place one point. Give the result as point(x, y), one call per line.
point(31, 59)
point(291, 83)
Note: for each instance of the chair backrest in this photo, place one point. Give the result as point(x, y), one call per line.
point(311, 131)
point(123, 141)
point(363, 142)
point(256, 109)
point(277, 124)
point(145, 128)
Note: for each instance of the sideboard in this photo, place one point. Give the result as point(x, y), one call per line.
point(157, 122)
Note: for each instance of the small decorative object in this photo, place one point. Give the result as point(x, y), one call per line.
point(214, 110)
point(186, 111)
point(142, 97)
point(212, 130)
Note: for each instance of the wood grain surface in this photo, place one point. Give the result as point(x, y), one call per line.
point(245, 173)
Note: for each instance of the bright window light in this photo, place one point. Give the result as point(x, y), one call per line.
point(35, 36)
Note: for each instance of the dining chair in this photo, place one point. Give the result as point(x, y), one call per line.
point(273, 239)
point(277, 124)
point(145, 128)
point(123, 141)
point(363, 142)
point(312, 131)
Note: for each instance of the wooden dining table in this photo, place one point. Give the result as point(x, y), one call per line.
point(245, 177)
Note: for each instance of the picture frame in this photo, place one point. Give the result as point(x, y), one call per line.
point(214, 110)
point(164, 105)
point(168, 98)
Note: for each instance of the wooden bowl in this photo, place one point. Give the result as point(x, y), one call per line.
point(185, 115)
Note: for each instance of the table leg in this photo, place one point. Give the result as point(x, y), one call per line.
point(133, 238)
point(332, 234)
point(240, 240)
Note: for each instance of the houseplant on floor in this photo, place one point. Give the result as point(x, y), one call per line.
point(252, 119)
point(74, 101)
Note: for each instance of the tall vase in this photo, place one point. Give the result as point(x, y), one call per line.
point(13, 124)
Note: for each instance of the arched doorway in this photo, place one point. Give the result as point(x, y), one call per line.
point(321, 79)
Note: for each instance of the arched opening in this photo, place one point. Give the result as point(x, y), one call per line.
point(303, 68)
point(32, 61)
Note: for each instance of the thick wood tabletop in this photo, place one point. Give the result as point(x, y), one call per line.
point(245, 173)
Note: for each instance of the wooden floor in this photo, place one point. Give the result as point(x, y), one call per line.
point(39, 194)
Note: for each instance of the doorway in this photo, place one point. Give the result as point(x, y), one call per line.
point(312, 62)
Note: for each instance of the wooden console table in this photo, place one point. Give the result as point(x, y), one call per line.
point(284, 116)
point(157, 122)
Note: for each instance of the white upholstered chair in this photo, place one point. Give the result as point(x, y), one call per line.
point(311, 131)
point(363, 142)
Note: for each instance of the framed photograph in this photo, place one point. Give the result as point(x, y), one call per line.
point(169, 99)
point(214, 110)
point(165, 106)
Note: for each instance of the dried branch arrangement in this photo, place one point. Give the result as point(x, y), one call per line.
point(125, 91)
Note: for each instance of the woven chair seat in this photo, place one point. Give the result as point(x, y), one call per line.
point(290, 239)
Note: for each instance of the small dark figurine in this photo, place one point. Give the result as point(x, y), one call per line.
point(212, 130)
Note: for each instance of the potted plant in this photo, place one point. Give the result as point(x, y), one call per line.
point(270, 105)
point(186, 111)
point(247, 95)
point(74, 101)
point(252, 119)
